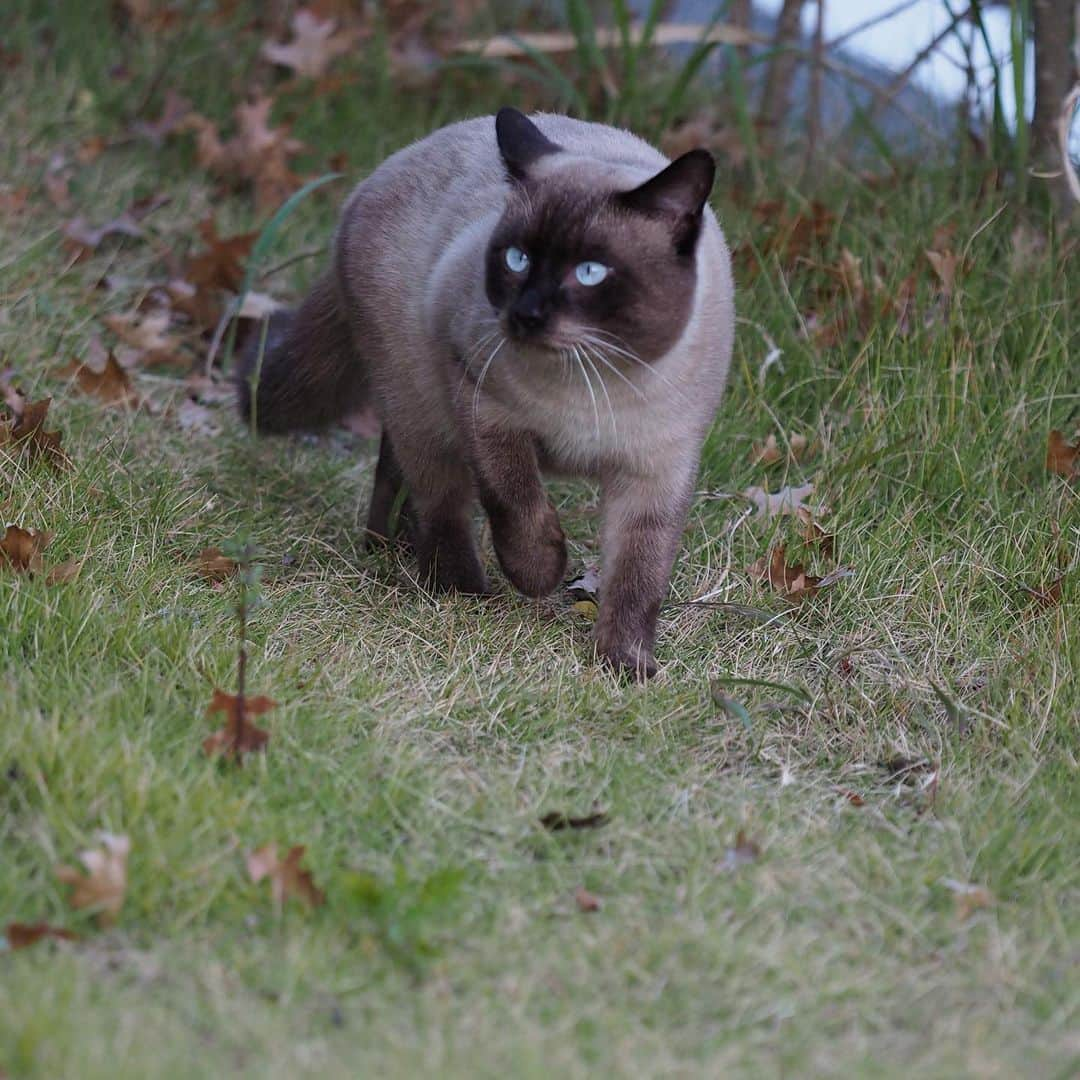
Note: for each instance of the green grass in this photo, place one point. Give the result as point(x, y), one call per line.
point(421, 739)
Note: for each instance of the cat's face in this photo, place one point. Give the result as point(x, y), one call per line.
point(606, 271)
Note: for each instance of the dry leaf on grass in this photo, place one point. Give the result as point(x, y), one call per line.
point(770, 452)
point(257, 155)
point(968, 898)
point(788, 500)
point(314, 46)
point(791, 580)
point(111, 383)
point(1048, 597)
point(214, 566)
point(173, 111)
point(221, 264)
point(945, 265)
point(84, 239)
point(25, 430)
point(287, 877)
point(586, 585)
point(23, 935)
point(814, 535)
point(21, 549)
point(101, 889)
point(239, 736)
point(197, 419)
point(1062, 457)
point(587, 901)
point(146, 339)
point(745, 851)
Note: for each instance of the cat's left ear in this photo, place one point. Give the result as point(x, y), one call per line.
point(520, 141)
point(679, 193)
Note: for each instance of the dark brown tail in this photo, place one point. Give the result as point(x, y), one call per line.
point(309, 374)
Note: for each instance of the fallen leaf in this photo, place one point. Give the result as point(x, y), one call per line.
point(945, 265)
point(587, 901)
point(853, 797)
point(26, 429)
point(745, 851)
point(64, 572)
point(315, 44)
point(813, 534)
point(239, 736)
point(214, 566)
point(23, 935)
point(197, 419)
point(111, 384)
point(1048, 597)
point(13, 200)
point(556, 821)
point(1062, 457)
point(221, 265)
point(770, 452)
point(968, 898)
point(173, 111)
point(587, 609)
point(257, 154)
point(102, 888)
point(85, 239)
point(287, 877)
point(788, 500)
point(146, 337)
point(586, 585)
point(21, 549)
point(789, 579)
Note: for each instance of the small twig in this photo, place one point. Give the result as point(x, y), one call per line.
point(299, 257)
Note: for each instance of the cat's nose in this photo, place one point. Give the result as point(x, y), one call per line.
point(528, 313)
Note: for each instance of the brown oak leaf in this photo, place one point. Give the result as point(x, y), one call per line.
point(789, 579)
point(25, 430)
point(587, 901)
point(315, 44)
point(239, 736)
point(23, 935)
point(21, 549)
point(287, 877)
point(111, 383)
point(101, 889)
point(1062, 457)
point(146, 339)
point(214, 566)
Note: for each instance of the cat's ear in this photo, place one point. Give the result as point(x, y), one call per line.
point(678, 193)
point(521, 142)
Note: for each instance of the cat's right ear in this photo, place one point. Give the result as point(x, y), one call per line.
point(521, 142)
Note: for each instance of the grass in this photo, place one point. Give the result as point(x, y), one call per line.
point(419, 740)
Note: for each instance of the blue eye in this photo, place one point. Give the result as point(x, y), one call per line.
point(591, 273)
point(517, 260)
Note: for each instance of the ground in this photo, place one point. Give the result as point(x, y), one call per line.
point(840, 834)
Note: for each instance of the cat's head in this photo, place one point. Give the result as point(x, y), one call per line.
point(577, 260)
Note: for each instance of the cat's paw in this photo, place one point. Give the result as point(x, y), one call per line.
point(532, 551)
point(630, 660)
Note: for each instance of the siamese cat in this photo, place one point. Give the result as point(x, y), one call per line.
point(517, 296)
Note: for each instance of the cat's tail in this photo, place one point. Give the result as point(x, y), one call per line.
point(304, 369)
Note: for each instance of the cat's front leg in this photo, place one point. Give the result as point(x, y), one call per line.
point(525, 529)
point(643, 524)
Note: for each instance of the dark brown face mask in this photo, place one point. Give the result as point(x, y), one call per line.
point(567, 259)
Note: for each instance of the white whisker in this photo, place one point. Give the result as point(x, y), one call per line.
point(603, 389)
point(480, 380)
point(596, 349)
point(589, 386)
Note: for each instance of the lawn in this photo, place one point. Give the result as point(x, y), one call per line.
point(839, 831)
